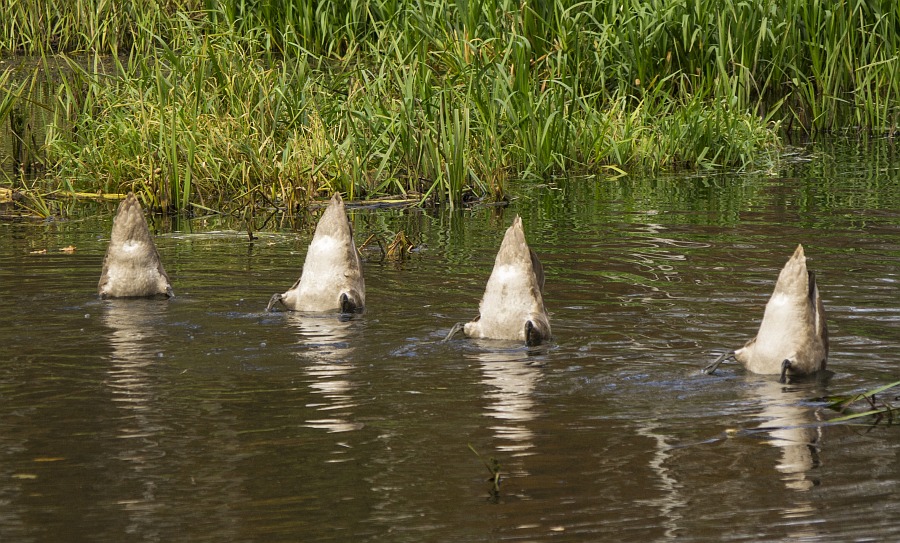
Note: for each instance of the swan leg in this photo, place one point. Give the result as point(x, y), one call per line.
point(785, 366)
point(274, 300)
point(453, 331)
point(349, 303)
point(532, 335)
point(718, 362)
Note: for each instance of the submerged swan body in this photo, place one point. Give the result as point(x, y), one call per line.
point(332, 275)
point(131, 268)
point(512, 306)
point(793, 337)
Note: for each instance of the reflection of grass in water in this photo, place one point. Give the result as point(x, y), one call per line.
point(9, 93)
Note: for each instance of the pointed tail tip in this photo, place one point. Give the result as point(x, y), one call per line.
point(516, 229)
point(793, 276)
point(130, 202)
point(336, 202)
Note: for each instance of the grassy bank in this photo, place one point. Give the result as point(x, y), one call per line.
point(222, 104)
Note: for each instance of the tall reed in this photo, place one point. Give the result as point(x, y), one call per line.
point(276, 100)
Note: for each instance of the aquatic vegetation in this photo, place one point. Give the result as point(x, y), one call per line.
point(493, 467)
point(36, 204)
point(8, 95)
point(875, 404)
point(45, 26)
point(399, 248)
point(19, 113)
point(225, 104)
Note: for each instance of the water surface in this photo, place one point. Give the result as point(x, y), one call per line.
point(205, 418)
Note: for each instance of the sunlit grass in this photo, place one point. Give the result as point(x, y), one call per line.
point(225, 104)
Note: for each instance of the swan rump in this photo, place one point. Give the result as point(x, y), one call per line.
point(132, 268)
point(332, 276)
point(793, 337)
point(512, 307)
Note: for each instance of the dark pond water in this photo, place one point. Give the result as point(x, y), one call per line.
point(206, 419)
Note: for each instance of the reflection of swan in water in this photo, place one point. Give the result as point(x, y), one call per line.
point(138, 338)
point(792, 430)
point(134, 339)
point(510, 379)
point(671, 500)
point(134, 325)
point(328, 353)
point(784, 422)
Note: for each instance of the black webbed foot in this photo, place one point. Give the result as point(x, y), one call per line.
point(350, 302)
point(785, 366)
point(532, 335)
point(347, 305)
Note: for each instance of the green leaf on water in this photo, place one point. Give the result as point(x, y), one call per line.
point(878, 405)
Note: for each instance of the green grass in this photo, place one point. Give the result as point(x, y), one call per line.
point(225, 104)
point(873, 403)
